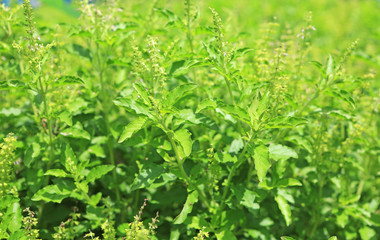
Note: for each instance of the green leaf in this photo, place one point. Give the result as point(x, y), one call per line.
point(249, 200)
point(178, 93)
point(132, 128)
point(206, 104)
point(76, 131)
point(284, 208)
point(236, 112)
point(132, 105)
point(183, 136)
point(257, 109)
point(147, 176)
point(18, 235)
point(143, 93)
point(67, 80)
point(164, 155)
point(287, 238)
point(343, 95)
point(51, 193)
point(168, 14)
point(183, 67)
point(333, 238)
point(225, 235)
point(342, 219)
point(242, 51)
point(367, 233)
point(66, 118)
point(95, 199)
point(287, 182)
point(320, 67)
point(192, 198)
point(281, 152)
point(225, 157)
point(32, 153)
point(236, 145)
point(330, 68)
point(97, 150)
point(98, 171)
point(262, 163)
point(301, 141)
point(15, 222)
point(70, 158)
point(11, 84)
point(56, 173)
point(286, 122)
point(11, 111)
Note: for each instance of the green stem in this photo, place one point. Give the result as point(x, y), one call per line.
point(189, 36)
point(232, 173)
point(42, 91)
point(364, 177)
point(110, 142)
point(228, 83)
point(180, 166)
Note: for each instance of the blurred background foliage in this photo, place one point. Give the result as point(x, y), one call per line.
point(336, 21)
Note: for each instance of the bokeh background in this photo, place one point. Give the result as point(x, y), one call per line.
point(338, 22)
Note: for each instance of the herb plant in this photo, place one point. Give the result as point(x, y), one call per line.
point(180, 120)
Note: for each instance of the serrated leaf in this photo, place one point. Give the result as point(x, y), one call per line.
point(70, 158)
point(206, 104)
point(340, 114)
point(147, 176)
point(237, 112)
point(56, 173)
point(98, 172)
point(187, 207)
point(11, 84)
point(249, 200)
point(286, 122)
point(132, 128)
point(172, 17)
point(183, 136)
point(51, 193)
point(284, 207)
point(67, 80)
point(262, 163)
point(301, 141)
point(183, 67)
point(179, 92)
point(320, 67)
point(132, 105)
point(281, 152)
point(242, 51)
point(343, 95)
point(143, 93)
point(66, 118)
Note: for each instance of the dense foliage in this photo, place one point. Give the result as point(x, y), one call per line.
point(164, 120)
